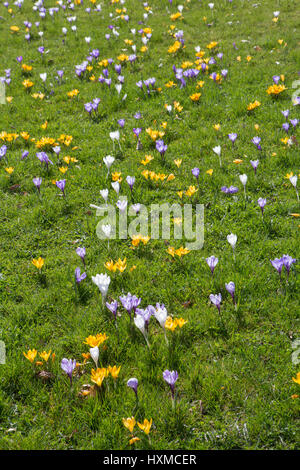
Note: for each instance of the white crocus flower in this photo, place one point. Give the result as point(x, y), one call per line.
point(232, 239)
point(139, 322)
point(118, 88)
point(106, 229)
point(217, 151)
point(104, 194)
point(293, 180)
point(43, 76)
point(108, 160)
point(102, 281)
point(161, 315)
point(116, 186)
point(243, 180)
point(95, 354)
point(115, 136)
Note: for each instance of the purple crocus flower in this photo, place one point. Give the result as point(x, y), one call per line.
point(132, 58)
point(121, 123)
point(61, 185)
point(95, 103)
point(216, 300)
point(145, 314)
point(88, 107)
point(161, 147)
point(286, 113)
point(256, 141)
point(294, 122)
point(136, 207)
point(276, 79)
point(56, 150)
point(113, 307)
point(287, 262)
point(41, 50)
point(133, 384)
point(60, 74)
point(285, 126)
point(230, 190)
point(212, 262)
point(232, 137)
point(130, 180)
point(171, 379)
point(19, 59)
point(127, 302)
point(121, 204)
point(296, 101)
point(3, 151)
point(43, 157)
point(277, 263)
point(37, 182)
point(137, 131)
point(254, 164)
point(79, 277)
point(68, 365)
point(224, 73)
point(196, 172)
point(81, 253)
point(262, 202)
point(135, 302)
point(230, 287)
point(24, 154)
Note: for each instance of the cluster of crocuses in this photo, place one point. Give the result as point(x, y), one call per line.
point(285, 261)
point(92, 106)
point(79, 277)
point(141, 316)
point(149, 84)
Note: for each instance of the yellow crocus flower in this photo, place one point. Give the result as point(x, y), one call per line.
point(129, 423)
point(145, 426)
point(38, 263)
point(31, 355)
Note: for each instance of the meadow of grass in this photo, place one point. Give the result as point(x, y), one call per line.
point(234, 387)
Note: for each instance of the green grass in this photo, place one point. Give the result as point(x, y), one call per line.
point(235, 378)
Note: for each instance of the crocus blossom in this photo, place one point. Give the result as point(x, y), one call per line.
point(171, 377)
point(133, 384)
point(68, 366)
